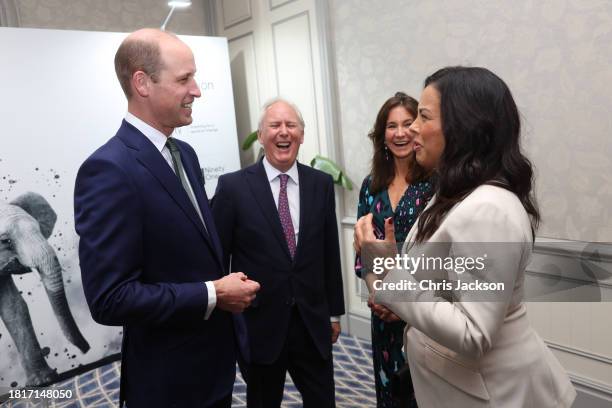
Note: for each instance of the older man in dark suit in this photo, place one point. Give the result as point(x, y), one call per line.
point(150, 256)
point(277, 221)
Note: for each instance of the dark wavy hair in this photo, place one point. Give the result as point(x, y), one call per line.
point(383, 167)
point(481, 128)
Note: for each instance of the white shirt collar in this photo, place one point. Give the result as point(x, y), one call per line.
point(272, 172)
point(155, 136)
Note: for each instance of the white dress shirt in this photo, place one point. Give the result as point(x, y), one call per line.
point(293, 196)
point(293, 191)
point(159, 141)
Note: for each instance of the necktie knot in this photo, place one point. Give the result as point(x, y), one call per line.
point(171, 145)
point(283, 180)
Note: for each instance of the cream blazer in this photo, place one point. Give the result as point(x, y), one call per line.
point(479, 353)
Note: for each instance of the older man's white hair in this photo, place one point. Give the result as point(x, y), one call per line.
point(271, 102)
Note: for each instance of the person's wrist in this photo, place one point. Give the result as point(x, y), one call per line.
point(218, 287)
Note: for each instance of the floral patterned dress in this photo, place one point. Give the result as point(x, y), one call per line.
point(387, 338)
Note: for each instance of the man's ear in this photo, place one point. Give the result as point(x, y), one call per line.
point(141, 82)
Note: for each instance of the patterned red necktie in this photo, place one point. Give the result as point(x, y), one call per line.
point(285, 215)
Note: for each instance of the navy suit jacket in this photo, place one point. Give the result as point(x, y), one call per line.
point(251, 233)
point(145, 256)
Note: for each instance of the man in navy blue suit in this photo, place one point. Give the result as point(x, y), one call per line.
point(277, 221)
point(150, 255)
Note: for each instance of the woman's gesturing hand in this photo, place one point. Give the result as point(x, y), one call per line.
point(364, 232)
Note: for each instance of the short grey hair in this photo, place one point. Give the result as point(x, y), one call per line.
point(271, 102)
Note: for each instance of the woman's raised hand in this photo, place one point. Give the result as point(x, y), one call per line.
point(364, 232)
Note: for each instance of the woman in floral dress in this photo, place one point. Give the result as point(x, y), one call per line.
point(398, 188)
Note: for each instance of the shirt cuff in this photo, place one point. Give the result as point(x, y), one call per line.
point(212, 299)
point(334, 319)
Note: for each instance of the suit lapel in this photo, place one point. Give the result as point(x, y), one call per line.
point(307, 194)
point(150, 157)
point(193, 175)
point(260, 188)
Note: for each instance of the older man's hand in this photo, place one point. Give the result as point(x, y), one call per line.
point(335, 326)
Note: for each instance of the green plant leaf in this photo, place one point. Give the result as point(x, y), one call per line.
point(328, 166)
point(346, 182)
point(249, 140)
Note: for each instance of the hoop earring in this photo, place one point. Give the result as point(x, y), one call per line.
point(386, 152)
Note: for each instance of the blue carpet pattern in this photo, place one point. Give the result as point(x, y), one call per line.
point(352, 370)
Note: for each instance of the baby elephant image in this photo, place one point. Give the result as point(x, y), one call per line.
point(25, 225)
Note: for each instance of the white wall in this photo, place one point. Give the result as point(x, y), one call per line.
point(556, 57)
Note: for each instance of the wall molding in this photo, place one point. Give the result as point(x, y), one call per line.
point(360, 326)
point(571, 277)
point(570, 271)
point(241, 36)
point(212, 8)
point(349, 221)
point(274, 26)
point(600, 391)
point(329, 82)
point(279, 5)
point(579, 352)
point(9, 14)
point(210, 18)
point(238, 20)
point(592, 251)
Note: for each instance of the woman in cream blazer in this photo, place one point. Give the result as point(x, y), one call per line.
point(468, 348)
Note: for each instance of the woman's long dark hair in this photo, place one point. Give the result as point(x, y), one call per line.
point(383, 166)
point(481, 128)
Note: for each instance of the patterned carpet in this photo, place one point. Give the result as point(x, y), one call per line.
point(352, 370)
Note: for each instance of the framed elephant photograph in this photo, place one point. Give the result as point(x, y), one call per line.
point(46, 331)
point(26, 223)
